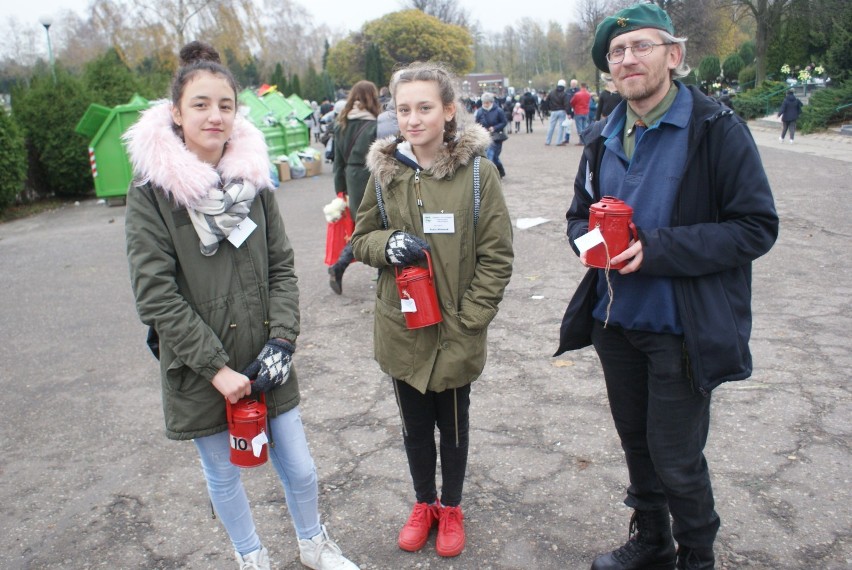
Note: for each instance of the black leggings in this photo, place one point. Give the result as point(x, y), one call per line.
point(529, 114)
point(420, 413)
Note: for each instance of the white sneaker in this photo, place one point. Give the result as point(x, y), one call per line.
point(791, 141)
point(781, 139)
point(322, 553)
point(257, 560)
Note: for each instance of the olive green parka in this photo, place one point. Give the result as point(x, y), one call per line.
point(209, 311)
point(472, 265)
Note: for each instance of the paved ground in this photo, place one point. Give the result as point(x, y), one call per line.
point(89, 480)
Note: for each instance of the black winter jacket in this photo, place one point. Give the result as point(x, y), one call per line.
point(724, 218)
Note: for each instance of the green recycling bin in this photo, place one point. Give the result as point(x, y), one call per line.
point(276, 118)
point(111, 168)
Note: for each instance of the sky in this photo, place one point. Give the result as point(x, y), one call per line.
point(493, 15)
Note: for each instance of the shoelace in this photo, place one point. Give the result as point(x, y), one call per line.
point(420, 515)
point(450, 515)
point(327, 545)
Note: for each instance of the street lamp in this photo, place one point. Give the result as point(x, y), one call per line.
point(47, 21)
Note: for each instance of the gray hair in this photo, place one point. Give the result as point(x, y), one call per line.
point(487, 97)
point(682, 69)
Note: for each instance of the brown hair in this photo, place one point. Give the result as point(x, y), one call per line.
point(367, 95)
point(437, 72)
point(196, 57)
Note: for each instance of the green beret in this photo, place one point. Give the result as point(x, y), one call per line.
point(633, 18)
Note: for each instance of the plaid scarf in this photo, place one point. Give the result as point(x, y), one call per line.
point(217, 214)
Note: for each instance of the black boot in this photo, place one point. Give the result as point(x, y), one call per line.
point(335, 277)
point(335, 272)
point(695, 558)
point(650, 546)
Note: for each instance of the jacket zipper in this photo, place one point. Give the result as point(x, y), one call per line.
point(417, 188)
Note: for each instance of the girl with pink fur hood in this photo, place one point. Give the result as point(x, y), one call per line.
point(212, 271)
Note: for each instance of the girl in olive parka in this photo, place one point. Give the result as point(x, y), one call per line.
point(431, 169)
point(212, 272)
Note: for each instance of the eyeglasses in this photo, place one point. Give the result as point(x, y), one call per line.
point(642, 49)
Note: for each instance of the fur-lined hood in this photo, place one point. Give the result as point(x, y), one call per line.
point(473, 140)
point(160, 157)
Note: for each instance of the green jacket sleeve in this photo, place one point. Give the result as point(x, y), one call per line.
point(370, 238)
point(153, 277)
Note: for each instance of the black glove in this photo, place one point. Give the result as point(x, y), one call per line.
point(404, 249)
point(271, 368)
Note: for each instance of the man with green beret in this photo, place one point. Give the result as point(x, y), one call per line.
point(674, 321)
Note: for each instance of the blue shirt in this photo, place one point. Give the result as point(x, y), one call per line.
point(649, 184)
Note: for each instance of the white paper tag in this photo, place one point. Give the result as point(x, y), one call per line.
point(590, 240)
point(408, 305)
point(257, 443)
point(439, 223)
point(241, 231)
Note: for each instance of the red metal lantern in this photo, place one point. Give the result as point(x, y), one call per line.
point(614, 218)
point(247, 431)
point(416, 286)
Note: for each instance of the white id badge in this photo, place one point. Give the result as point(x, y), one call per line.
point(241, 231)
point(439, 223)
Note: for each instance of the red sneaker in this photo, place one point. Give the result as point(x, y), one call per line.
point(414, 534)
point(450, 532)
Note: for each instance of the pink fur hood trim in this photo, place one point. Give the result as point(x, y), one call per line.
point(159, 156)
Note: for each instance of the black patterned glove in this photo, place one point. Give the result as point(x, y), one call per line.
point(404, 249)
point(271, 368)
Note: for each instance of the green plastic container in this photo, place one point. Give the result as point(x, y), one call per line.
point(279, 122)
point(111, 168)
point(302, 109)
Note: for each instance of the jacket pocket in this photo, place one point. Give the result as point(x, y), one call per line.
point(394, 344)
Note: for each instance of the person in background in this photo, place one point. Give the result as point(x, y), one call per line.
point(674, 322)
point(354, 132)
point(491, 117)
point(518, 116)
point(529, 102)
point(222, 299)
point(580, 107)
point(432, 168)
point(558, 105)
point(790, 110)
point(608, 99)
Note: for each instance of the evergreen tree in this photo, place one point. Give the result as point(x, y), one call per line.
point(109, 80)
point(295, 85)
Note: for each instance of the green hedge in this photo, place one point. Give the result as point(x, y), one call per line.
point(48, 113)
point(13, 160)
point(821, 111)
point(753, 103)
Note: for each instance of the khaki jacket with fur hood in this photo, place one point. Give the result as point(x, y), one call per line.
point(213, 310)
point(472, 265)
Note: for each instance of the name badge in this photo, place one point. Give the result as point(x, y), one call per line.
point(241, 231)
point(439, 223)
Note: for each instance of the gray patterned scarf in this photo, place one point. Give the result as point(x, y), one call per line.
point(220, 211)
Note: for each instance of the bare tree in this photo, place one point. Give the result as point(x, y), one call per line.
point(767, 15)
point(448, 11)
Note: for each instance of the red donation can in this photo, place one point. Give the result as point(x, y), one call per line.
point(416, 286)
point(615, 220)
point(247, 431)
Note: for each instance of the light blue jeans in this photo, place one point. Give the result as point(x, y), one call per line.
point(581, 122)
point(556, 118)
point(295, 466)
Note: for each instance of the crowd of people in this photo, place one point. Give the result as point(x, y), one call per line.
point(669, 317)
